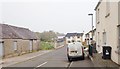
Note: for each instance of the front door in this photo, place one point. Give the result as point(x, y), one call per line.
point(1, 50)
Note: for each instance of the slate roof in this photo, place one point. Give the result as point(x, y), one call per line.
point(0, 32)
point(13, 32)
point(73, 34)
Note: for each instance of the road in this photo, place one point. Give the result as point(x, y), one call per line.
point(56, 58)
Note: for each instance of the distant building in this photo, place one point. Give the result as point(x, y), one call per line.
point(108, 27)
point(88, 36)
point(15, 41)
point(73, 37)
point(60, 38)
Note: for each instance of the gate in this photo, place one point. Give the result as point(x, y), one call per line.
point(31, 45)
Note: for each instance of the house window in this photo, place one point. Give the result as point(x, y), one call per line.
point(31, 45)
point(78, 37)
point(15, 45)
point(73, 41)
point(107, 8)
point(104, 38)
point(69, 42)
point(98, 39)
point(98, 16)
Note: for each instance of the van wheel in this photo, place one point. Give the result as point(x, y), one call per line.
point(69, 59)
point(83, 56)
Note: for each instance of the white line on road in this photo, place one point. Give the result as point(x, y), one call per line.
point(39, 54)
point(91, 58)
point(71, 64)
point(41, 64)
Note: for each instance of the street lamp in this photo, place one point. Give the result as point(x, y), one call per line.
point(92, 24)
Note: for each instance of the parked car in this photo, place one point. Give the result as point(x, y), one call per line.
point(75, 50)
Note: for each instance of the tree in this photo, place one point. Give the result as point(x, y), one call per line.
point(48, 36)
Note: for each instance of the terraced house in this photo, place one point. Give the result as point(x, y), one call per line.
point(16, 41)
point(73, 37)
point(108, 27)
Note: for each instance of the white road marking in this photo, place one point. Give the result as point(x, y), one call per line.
point(39, 55)
point(71, 64)
point(91, 58)
point(41, 64)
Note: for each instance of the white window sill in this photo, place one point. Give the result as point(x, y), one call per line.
point(107, 15)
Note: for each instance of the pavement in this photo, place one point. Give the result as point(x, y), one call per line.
point(99, 62)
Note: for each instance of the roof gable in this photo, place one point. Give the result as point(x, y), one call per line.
point(14, 32)
point(73, 34)
point(98, 4)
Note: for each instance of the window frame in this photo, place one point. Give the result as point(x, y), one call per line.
point(104, 38)
point(15, 46)
point(118, 46)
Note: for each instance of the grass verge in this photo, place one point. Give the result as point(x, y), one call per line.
point(46, 46)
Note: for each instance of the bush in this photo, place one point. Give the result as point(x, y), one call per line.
point(46, 46)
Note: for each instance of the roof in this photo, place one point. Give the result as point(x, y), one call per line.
point(94, 30)
point(74, 34)
point(87, 34)
point(98, 4)
point(13, 32)
point(0, 31)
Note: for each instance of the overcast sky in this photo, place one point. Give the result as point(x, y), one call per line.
point(41, 15)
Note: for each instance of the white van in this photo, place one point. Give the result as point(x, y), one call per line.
point(75, 50)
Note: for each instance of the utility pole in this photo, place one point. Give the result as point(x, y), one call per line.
point(92, 24)
point(90, 47)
